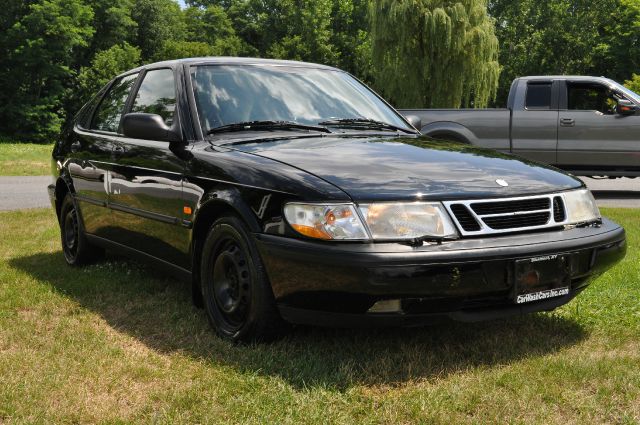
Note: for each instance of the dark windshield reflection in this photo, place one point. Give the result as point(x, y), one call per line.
point(231, 94)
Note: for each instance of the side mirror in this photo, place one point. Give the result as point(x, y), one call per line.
point(415, 121)
point(626, 107)
point(149, 127)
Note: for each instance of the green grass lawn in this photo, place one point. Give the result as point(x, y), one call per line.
point(118, 342)
point(24, 159)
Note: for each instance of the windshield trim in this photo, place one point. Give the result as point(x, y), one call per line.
point(201, 132)
point(624, 90)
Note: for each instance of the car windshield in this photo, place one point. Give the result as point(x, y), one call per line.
point(629, 93)
point(229, 94)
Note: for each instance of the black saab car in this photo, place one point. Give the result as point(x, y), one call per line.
point(290, 192)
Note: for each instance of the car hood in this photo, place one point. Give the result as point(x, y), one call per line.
point(408, 168)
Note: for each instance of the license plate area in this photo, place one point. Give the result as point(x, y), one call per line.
point(541, 278)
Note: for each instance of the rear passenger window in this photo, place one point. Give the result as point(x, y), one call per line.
point(157, 95)
point(538, 96)
point(108, 114)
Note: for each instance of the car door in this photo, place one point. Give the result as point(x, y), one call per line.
point(91, 155)
point(146, 180)
point(534, 128)
point(591, 134)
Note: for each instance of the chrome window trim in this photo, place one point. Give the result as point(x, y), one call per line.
point(486, 230)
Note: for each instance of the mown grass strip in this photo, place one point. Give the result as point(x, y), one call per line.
point(118, 342)
point(24, 159)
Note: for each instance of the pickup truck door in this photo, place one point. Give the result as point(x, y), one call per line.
point(592, 136)
point(146, 180)
point(534, 120)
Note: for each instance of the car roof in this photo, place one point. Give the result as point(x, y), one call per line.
point(228, 60)
point(563, 77)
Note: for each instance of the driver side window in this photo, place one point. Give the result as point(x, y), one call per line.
point(591, 97)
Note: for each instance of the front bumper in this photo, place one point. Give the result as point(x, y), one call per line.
point(470, 279)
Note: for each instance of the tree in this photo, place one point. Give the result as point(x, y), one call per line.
point(38, 53)
point(617, 53)
point(350, 36)
point(564, 37)
point(434, 53)
point(184, 49)
point(104, 66)
point(211, 26)
point(291, 29)
point(112, 22)
point(157, 22)
point(634, 83)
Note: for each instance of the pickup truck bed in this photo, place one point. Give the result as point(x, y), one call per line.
point(589, 126)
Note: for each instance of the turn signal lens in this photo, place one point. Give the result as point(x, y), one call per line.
point(329, 222)
point(311, 232)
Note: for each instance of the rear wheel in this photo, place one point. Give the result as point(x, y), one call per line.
point(236, 292)
point(77, 250)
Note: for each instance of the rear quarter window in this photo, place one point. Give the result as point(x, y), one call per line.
point(538, 96)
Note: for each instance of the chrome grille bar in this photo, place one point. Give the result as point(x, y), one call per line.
point(463, 211)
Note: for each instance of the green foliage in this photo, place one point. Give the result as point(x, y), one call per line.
point(106, 65)
point(434, 53)
point(634, 83)
point(55, 53)
point(211, 26)
point(38, 51)
point(113, 24)
point(158, 22)
point(184, 49)
point(350, 36)
point(566, 37)
point(617, 52)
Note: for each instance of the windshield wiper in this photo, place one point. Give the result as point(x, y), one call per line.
point(266, 125)
point(365, 123)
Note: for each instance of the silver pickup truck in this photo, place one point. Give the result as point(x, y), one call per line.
point(589, 126)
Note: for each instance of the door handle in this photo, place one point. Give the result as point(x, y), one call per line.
point(567, 122)
point(76, 146)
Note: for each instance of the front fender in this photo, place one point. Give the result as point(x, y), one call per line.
point(218, 202)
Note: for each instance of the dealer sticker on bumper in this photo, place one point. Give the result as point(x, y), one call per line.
point(542, 295)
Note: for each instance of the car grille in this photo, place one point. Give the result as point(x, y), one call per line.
point(479, 217)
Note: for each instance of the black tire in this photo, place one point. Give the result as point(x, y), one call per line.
point(75, 247)
point(237, 294)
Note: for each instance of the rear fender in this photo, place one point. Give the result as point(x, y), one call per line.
point(451, 130)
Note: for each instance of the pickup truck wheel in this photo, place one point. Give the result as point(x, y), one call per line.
point(237, 294)
point(75, 247)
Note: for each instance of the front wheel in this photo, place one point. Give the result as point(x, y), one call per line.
point(237, 294)
point(75, 247)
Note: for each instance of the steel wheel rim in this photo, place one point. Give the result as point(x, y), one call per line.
point(232, 284)
point(71, 231)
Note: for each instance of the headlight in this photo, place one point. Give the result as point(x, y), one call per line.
point(581, 206)
point(339, 222)
point(407, 220)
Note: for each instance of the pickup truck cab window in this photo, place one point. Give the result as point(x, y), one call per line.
point(228, 94)
point(591, 97)
point(538, 95)
point(107, 116)
point(157, 95)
